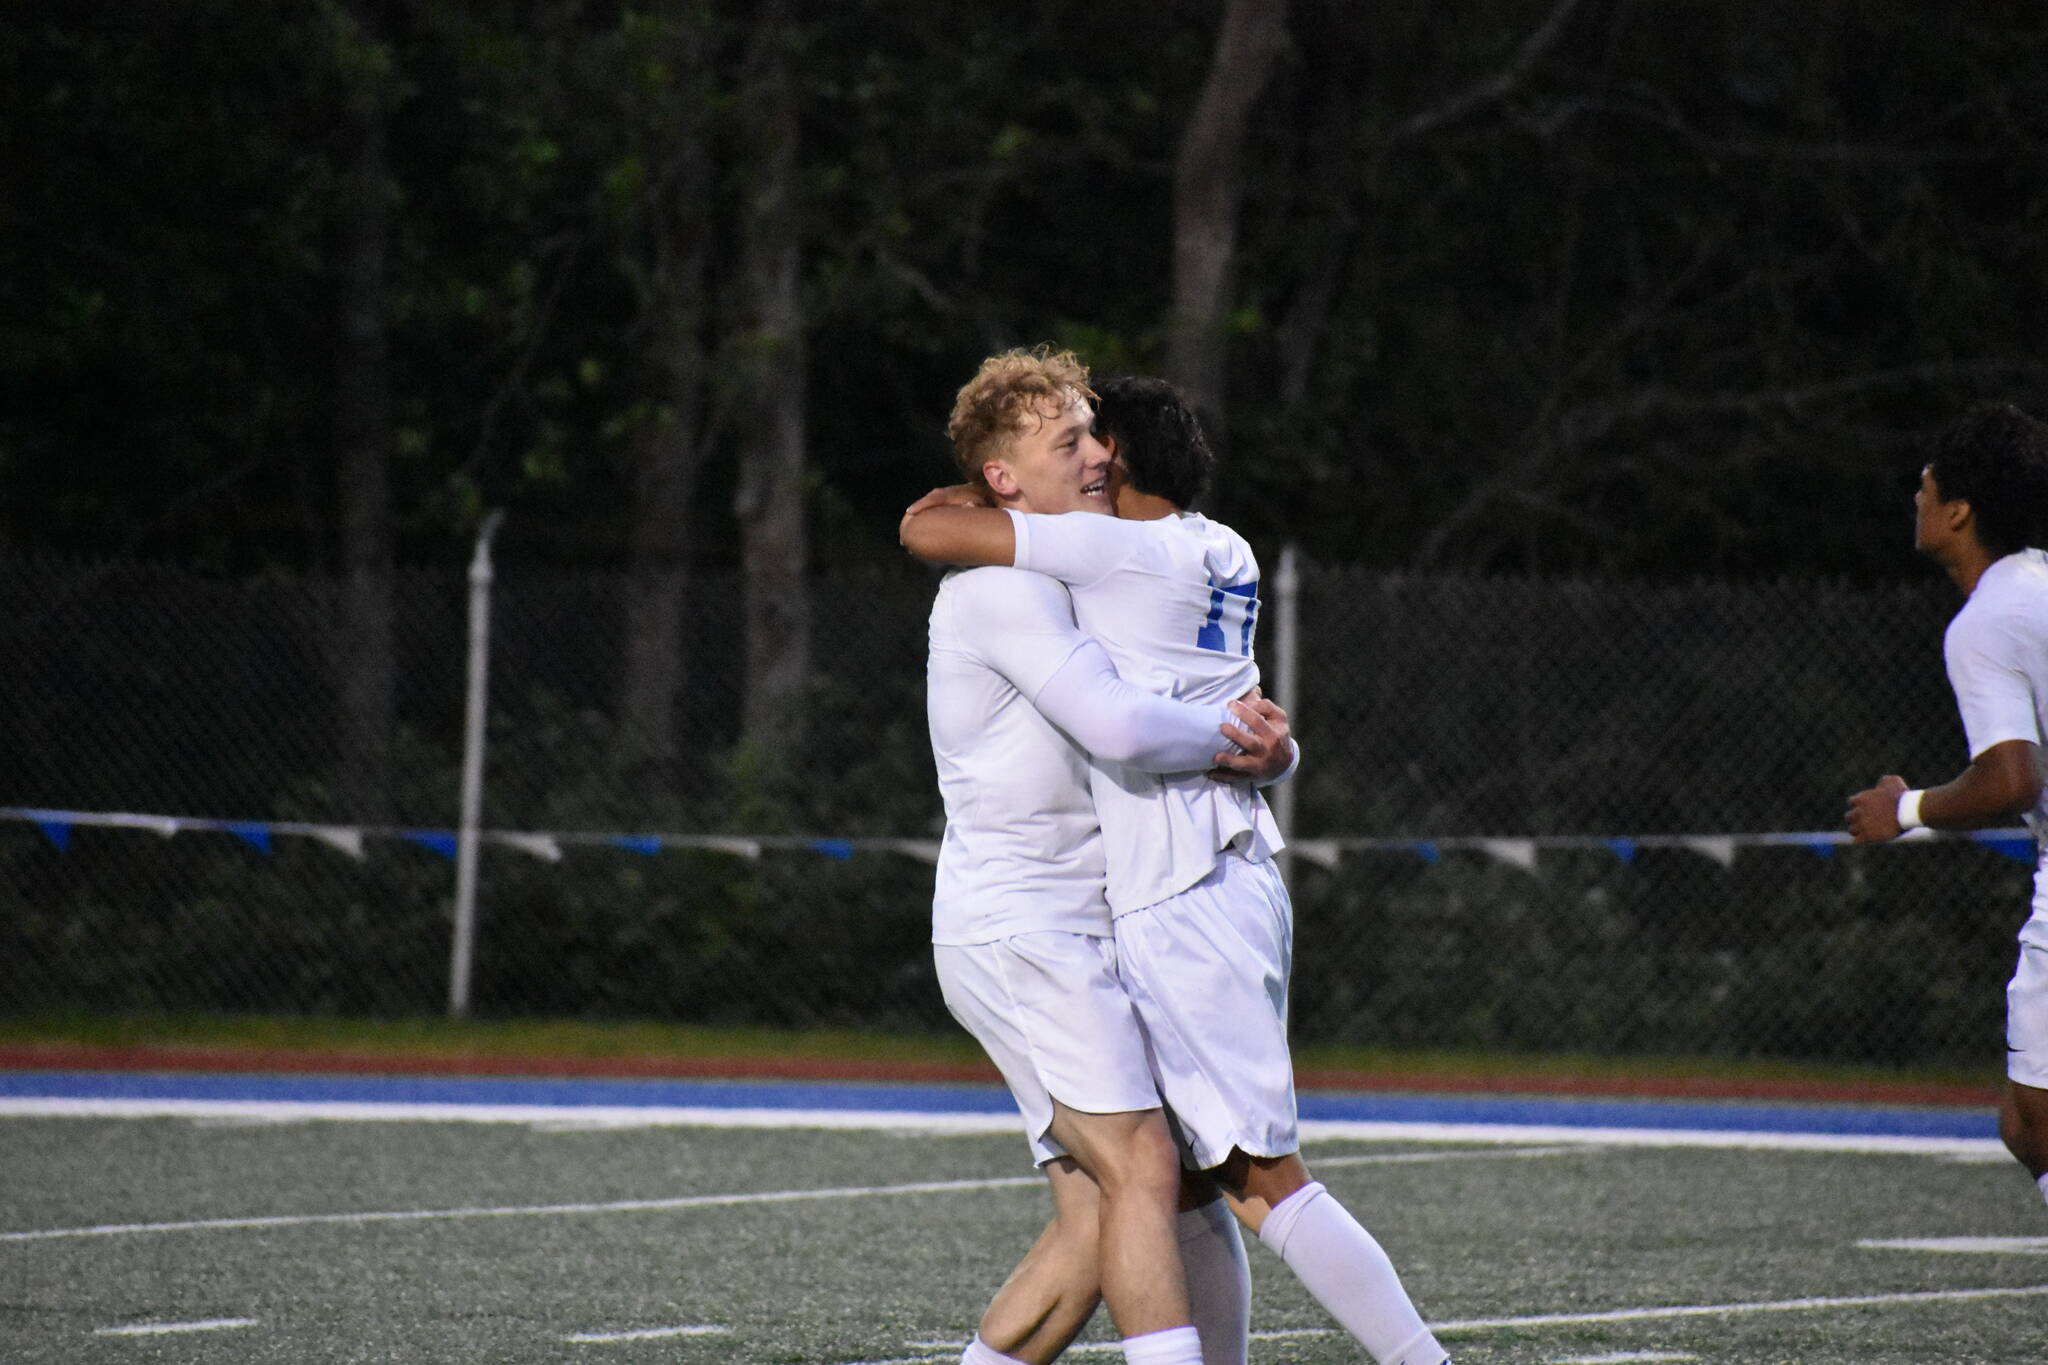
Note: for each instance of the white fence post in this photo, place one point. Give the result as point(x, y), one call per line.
point(475, 714)
point(1286, 686)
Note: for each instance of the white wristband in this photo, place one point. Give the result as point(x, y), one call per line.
point(1909, 809)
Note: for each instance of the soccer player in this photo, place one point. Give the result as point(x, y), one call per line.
point(1981, 507)
point(1021, 927)
point(1204, 927)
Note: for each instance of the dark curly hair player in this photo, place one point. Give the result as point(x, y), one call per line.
point(1980, 514)
point(1157, 436)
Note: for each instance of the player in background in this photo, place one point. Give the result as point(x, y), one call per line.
point(1981, 509)
point(1021, 928)
point(1204, 926)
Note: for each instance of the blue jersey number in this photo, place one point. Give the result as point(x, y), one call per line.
point(1233, 612)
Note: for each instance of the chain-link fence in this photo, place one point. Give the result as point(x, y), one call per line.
point(1622, 747)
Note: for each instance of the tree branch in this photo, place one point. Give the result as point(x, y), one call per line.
point(1590, 422)
point(1494, 88)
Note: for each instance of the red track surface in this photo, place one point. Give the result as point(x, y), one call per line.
point(83, 1057)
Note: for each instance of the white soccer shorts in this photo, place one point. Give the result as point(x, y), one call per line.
point(2026, 1016)
point(1207, 970)
point(1050, 1013)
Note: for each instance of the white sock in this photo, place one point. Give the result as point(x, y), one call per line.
point(1219, 1282)
point(1174, 1346)
point(2043, 1183)
point(979, 1352)
point(1339, 1262)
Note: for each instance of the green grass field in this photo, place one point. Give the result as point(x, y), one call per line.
point(1699, 1243)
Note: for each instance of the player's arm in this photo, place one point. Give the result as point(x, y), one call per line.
point(1266, 752)
point(2000, 784)
point(1118, 723)
point(1022, 626)
point(1995, 698)
point(1077, 548)
point(957, 526)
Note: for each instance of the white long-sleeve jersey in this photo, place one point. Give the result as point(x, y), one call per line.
point(1175, 603)
point(1017, 698)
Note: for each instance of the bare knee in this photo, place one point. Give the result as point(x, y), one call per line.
point(1129, 1156)
point(1147, 1167)
point(1256, 1185)
point(1261, 1177)
point(1274, 1178)
point(2023, 1124)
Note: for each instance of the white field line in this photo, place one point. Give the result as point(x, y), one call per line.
point(1481, 1154)
point(157, 1329)
point(1724, 1309)
point(636, 1116)
point(694, 1201)
point(649, 1333)
point(1655, 1314)
point(1991, 1154)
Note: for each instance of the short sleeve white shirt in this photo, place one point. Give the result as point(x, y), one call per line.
point(1996, 649)
point(1175, 603)
point(1022, 851)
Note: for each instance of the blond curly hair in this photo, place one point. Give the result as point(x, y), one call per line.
point(1008, 390)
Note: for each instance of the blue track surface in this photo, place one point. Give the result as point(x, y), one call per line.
point(985, 1099)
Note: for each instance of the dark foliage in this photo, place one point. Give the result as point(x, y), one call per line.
point(1530, 284)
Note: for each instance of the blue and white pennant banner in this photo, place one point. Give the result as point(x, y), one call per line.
point(2017, 844)
point(57, 826)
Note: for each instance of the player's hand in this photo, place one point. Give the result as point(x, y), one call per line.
point(1873, 815)
point(1264, 735)
point(953, 495)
